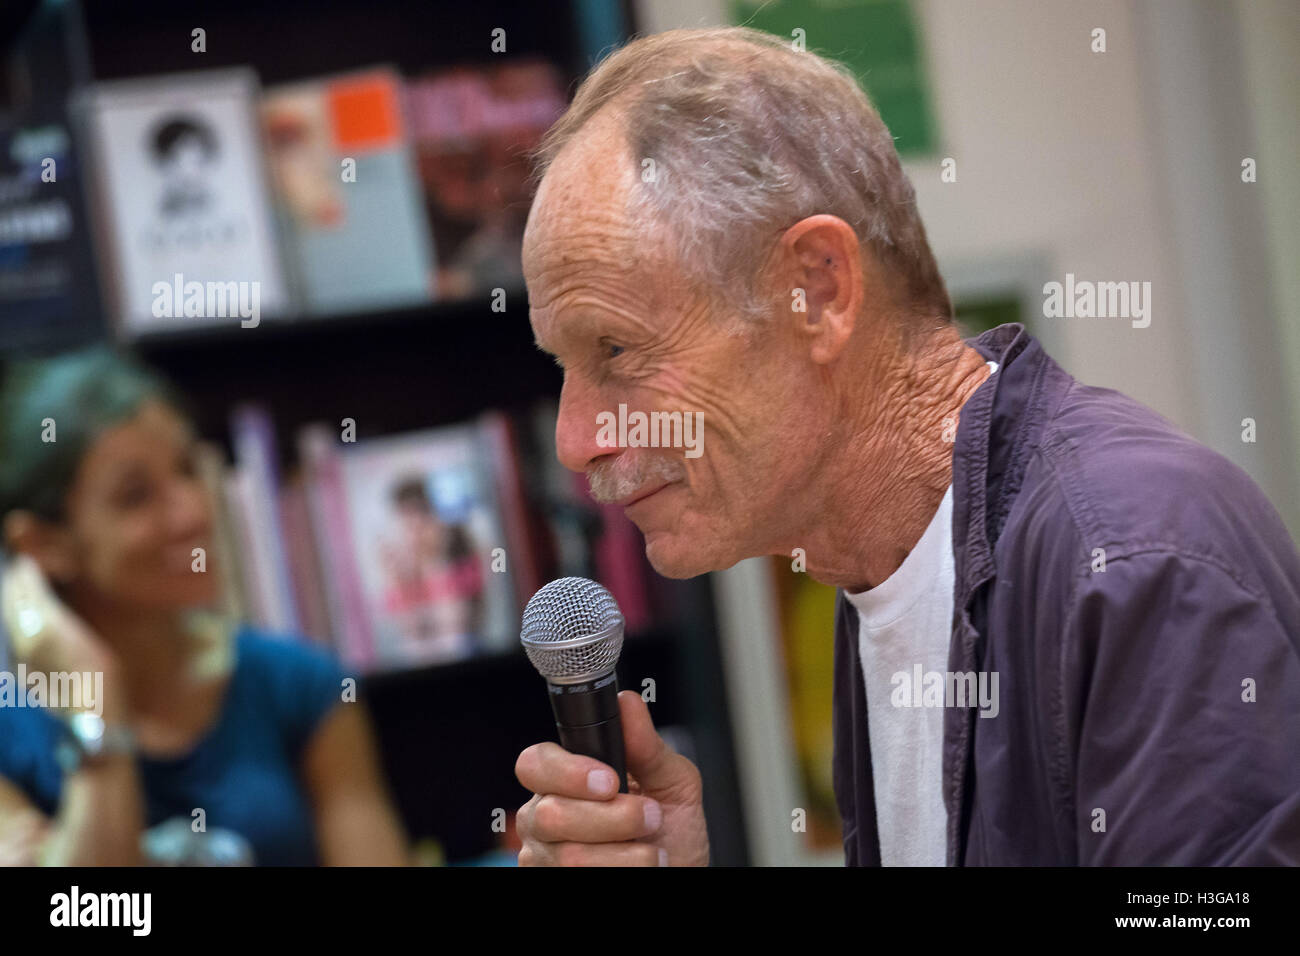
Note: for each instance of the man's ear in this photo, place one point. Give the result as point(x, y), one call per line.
point(46, 543)
point(822, 256)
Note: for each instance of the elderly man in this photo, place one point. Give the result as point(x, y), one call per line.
point(724, 228)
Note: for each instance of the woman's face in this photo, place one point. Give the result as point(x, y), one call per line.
point(136, 512)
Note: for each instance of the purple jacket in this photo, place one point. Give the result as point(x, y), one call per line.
point(1149, 713)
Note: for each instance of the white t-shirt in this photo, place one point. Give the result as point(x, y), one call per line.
point(904, 629)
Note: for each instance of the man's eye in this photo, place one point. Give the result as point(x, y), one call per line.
point(612, 350)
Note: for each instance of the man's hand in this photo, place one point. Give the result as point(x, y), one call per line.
point(577, 817)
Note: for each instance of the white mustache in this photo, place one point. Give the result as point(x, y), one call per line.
point(616, 480)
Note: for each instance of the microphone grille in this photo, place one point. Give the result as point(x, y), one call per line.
point(572, 631)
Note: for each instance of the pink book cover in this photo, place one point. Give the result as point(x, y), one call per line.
point(328, 500)
point(499, 437)
point(304, 568)
point(473, 131)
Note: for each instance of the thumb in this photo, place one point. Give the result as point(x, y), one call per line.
point(649, 759)
point(25, 600)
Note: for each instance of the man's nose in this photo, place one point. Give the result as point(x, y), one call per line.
point(576, 429)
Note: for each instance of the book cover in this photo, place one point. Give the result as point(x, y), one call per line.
point(304, 565)
point(319, 449)
point(425, 525)
point(183, 211)
point(347, 193)
point(249, 561)
point(473, 130)
point(253, 436)
point(48, 296)
point(213, 471)
point(517, 513)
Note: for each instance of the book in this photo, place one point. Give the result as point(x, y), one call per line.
point(48, 297)
point(213, 472)
point(419, 552)
point(305, 571)
point(473, 130)
point(323, 482)
point(347, 193)
point(518, 516)
point(250, 561)
point(183, 217)
point(253, 435)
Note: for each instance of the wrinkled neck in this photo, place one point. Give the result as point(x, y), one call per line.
point(894, 468)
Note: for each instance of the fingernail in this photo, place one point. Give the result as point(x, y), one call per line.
point(601, 782)
point(653, 815)
point(663, 857)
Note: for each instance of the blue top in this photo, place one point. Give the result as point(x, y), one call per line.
point(244, 772)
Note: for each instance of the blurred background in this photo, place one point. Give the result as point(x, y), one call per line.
point(370, 395)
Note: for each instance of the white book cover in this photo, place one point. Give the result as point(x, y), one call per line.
point(185, 225)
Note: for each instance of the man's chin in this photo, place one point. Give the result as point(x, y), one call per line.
point(672, 558)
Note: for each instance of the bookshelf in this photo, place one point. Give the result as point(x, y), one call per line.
point(448, 734)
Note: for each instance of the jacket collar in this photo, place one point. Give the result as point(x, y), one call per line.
point(998, 427)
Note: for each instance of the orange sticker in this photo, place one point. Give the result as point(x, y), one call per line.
point(365, 112)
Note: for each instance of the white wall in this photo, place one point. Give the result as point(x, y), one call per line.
point(1125, 165)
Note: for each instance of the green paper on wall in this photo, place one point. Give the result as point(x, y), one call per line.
point(876, 39)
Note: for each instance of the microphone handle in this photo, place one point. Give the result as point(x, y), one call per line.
point(588, 722)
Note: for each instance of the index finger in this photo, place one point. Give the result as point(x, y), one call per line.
point(548, 768)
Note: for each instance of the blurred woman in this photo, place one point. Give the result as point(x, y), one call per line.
point(208, 732)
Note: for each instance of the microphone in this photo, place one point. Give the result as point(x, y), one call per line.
point(573, 633)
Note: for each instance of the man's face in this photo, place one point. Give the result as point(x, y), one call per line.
point(627, 331)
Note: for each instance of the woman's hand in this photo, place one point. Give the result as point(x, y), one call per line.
point(101, 811)
point(44, 633)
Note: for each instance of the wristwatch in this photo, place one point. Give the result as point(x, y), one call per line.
point(86, 739)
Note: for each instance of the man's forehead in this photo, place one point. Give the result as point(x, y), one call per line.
point(585, 256)
point(578, 256)
point(592, 172)
point(571, 203)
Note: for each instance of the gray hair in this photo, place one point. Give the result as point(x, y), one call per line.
point(749, 136)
